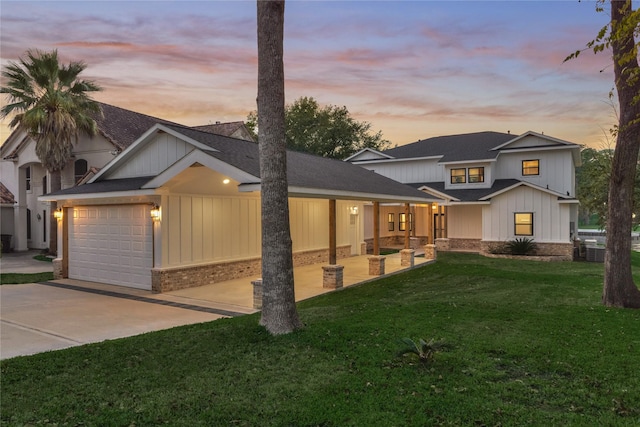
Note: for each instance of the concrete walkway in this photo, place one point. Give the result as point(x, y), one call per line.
point(23, 262)
point(40, 317)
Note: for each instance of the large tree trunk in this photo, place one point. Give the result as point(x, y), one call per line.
point(619, 288)
point(279, 313)
point(56, 185)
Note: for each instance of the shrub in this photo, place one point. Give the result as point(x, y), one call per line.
point(522, 246)
point(424, 350)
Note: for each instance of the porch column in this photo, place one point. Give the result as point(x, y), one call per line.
point(20, 212)
point(63, 234)
point(431, 237)
point(332, 232)
point(445, 231)
point(407, 226)
point(376, 228)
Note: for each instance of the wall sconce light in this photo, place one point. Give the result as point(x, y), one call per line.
point(353, 210)
point(155, 213)
point(38, 217)
point(434, 206)
point(57, 214)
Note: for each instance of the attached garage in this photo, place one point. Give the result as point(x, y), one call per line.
point(111, 244)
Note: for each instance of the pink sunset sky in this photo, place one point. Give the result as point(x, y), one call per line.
point(413, 69)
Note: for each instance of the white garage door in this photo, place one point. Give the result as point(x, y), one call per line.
point(111, 244)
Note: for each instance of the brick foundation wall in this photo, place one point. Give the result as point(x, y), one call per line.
point(391, 241)
point(175, 278)
point(464, 244)
point(557, 251)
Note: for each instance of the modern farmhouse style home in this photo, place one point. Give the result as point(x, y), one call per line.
point(494, 187)
point(180, 207)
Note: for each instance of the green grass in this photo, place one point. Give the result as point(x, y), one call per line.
point(18, 278)
point(528, 343)
point(43, 258)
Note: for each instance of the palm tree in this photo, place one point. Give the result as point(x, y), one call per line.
point(279, 315)
point(52, 104)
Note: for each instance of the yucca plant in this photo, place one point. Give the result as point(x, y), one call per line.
point(522, 246)
point(424, 350)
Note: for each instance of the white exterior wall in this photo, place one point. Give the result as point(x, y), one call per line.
point(154, 157)
point(556, 169)
point(464, 221)
point(550, 218)
point(410, 170)
point(198, 229)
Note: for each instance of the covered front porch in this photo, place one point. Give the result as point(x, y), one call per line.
point(238, 294)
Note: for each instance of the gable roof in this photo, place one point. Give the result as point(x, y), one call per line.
point(454, 148)
point(232, 129)
point(481, 194)
point(6, 196)
point(307, 174)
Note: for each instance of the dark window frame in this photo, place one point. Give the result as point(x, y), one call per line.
point(402, 222)
point(480, 175)
point(528, 170)
point(458, 179)
point(391, 221)
point(516, 225)
point(80, 169)
point(27, 173)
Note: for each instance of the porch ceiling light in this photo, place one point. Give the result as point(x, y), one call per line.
point(57, 214)
point(226, 181)
point(354, 210)
point(155, 213)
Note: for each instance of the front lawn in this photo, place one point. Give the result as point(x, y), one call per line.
point(17, 278)
point(528, 343)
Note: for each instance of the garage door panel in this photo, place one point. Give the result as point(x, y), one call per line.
point(111, 244)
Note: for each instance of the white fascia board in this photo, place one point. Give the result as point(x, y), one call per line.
point(526, 184)
point(453, 203)
point(437, 193)
point(395, 160)
point(369, 150)
point(539, 135)
point(140, 142)
point(321, 193)
point(569, 201)
point(469, 162)
point(201, 157)
point(541, 148)
point(105, 195)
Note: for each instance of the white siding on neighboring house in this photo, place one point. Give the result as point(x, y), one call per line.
point(153, 158)
point(556, 169)
point(550, 219)
point(465, 221)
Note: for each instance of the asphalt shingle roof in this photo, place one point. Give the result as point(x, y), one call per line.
point(453, 148)
point(468, 194)
point(303, 170)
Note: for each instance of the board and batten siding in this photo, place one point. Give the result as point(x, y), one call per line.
point(464, 222)
point(409, 171)
point(557, 170)
point(204, 229)
point(156, 156)
point(550, 218)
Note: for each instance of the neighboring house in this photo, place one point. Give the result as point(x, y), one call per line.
point(23, 175)
point(494, 187)
point(203, 191)
point(7, 201)
point(233, 129)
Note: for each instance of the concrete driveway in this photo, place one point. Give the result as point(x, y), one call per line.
point(38, 317)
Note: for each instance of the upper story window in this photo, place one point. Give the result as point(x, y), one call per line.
point(523, 223)
point(530, 167)
point(27, 173)
point(458, 176)
point(476, 174)
point(80, 169)
point(44, 185)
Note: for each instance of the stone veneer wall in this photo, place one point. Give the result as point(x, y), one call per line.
point(464, 244)
point(57, 268)
point(391, 241)
point(549, 251)
point(175, 278)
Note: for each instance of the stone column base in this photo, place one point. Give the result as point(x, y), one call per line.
point(57, 268)
point(332, 276)
point(376, 265)
point(430, 251)
point(363, 248)
point(442, 244)
point(407, 257)
point(257, 293)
